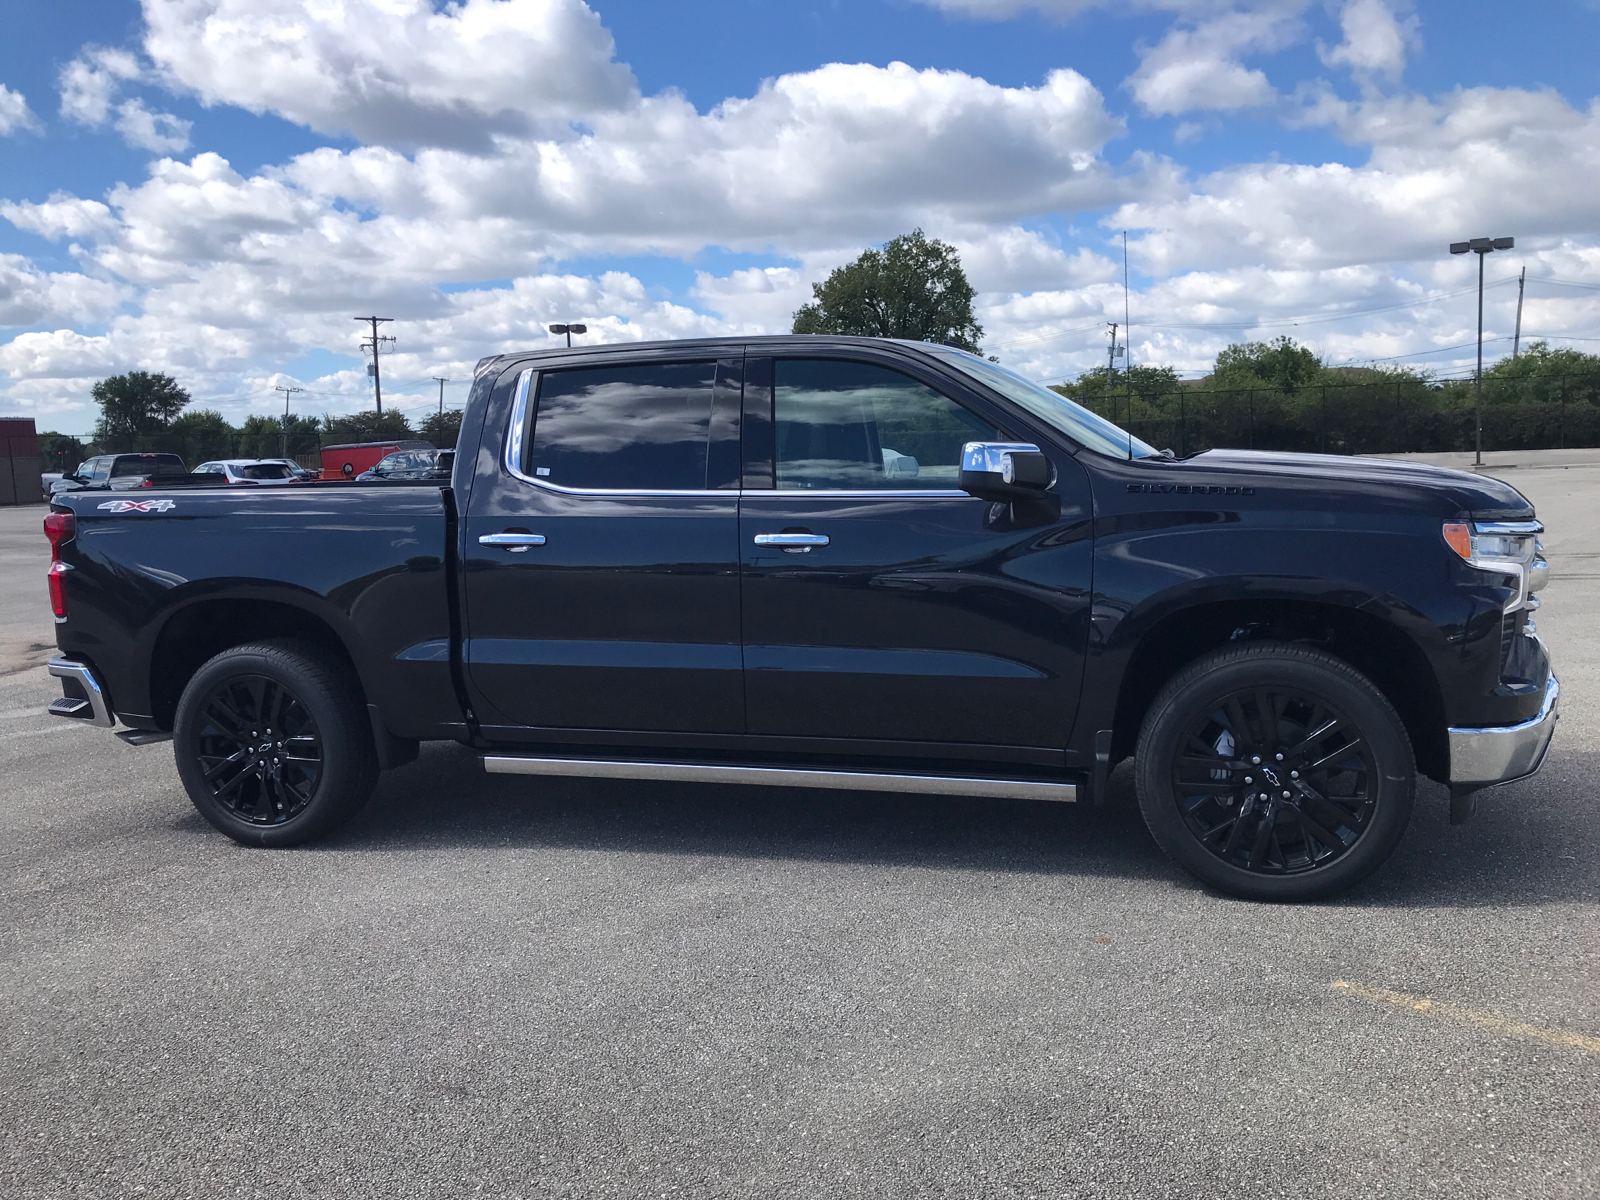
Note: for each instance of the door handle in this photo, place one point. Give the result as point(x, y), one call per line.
point(792, 543)
point(515, 543)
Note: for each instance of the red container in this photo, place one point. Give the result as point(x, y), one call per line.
point(348, 461)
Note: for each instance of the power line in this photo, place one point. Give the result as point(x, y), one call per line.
point(374, 345)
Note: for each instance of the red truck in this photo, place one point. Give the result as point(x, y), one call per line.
point(348, 461)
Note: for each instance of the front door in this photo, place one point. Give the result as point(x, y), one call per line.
point(880, 601)
point(601, 559)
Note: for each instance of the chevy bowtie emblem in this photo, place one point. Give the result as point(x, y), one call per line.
point(122, 506)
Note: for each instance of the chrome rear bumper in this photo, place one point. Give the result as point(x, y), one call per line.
point(91, 707)
point(1502, 753)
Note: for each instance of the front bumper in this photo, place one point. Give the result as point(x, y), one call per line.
point(1501, 753)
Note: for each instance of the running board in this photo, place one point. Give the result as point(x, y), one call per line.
point(850, 781)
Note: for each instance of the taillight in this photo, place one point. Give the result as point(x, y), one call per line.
point(60, 528)
point(58, 587)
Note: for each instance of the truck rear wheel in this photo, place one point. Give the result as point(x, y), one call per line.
point(272, 743)
point(1275, 772)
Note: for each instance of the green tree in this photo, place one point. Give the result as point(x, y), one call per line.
point(366, 427)
point(1280, 364)
point(60, 452)
point(913, 288)
point(263, 437)
point(1150, 384)
point(136, 404)
point(204, 433)
point(442, 429)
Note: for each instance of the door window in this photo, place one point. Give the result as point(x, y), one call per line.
point(852, 426)
point(625, 427)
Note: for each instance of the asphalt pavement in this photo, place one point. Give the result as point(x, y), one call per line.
point(505, 987)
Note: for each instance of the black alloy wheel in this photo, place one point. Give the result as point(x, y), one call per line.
point(1275, 771)
point(260, 749)
point(273, 742)
point(1275, 781)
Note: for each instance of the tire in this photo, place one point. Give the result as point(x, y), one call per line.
point(1311, 823)
point(315, 770)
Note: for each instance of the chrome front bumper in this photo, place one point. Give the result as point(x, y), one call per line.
point(90, 705)
point(1501, 753)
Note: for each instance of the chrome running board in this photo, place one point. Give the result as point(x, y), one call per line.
point(850, 781)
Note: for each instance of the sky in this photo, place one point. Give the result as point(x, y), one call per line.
point(215, 188)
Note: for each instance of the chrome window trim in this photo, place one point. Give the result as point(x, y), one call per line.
point(512, 461)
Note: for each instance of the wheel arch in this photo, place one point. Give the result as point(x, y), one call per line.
point(206, 626)
point(1365, 635)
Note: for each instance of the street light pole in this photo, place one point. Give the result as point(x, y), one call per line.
point(569, 330)
point(1481, 247)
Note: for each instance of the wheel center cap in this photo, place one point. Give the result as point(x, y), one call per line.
point(1272, 776)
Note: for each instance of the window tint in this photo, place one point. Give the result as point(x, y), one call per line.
point(146, 464)
point(264, 471)
point(853, 426)
point(626, 426)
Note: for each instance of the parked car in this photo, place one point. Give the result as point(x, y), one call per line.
point(838, 563)
point(49, 479)
point(120, 472)
point(304, 474)
point(412, 464)
point(249, 471)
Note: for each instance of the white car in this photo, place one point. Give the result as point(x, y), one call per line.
point(249, 470)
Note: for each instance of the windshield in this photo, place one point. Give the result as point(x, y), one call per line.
point(1077, 422)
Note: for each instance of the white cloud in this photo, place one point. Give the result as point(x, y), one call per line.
point(161, 133)
point(90, 82)
point(89, 85)
point(1376, 37)
point(15, 115)
point(29, 296)
point(395, 72)
point(1197, 67)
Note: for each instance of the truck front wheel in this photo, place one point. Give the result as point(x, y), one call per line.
point(1275, 771)
point(272, 743)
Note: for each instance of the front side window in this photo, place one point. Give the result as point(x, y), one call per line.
point(852, 426)
point(623, 427)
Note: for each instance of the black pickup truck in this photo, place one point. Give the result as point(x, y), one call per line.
point(839, 563)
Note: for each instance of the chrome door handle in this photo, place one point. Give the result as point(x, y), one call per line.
point(792, 543)
point(515, 543)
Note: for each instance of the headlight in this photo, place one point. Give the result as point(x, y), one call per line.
point(1506, 547)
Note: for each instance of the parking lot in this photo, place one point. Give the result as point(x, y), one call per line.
point(487, 985)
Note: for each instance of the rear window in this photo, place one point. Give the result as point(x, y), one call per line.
point(264, 471)
point(638, 426)
point(147, 464)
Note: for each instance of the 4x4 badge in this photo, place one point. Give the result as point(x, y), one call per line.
point(121, 506)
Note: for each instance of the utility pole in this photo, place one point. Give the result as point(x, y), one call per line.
point(373, 345)
point(441, 383)
point(287, 392)
point(1111, 363)
point(1522, 282)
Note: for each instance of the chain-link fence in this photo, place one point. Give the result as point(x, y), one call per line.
point(1385, 416)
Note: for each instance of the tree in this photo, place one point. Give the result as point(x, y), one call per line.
point(442, 429)
point(1150, 384)
point(60, 452)
point(263, 437)
point(136, 404)
point(1280, 364)
point(205, 434)
point(387, 426)
point(912, 288)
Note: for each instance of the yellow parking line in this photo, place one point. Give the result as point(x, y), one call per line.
point(1470, 1016)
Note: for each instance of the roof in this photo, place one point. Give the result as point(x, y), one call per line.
point(776, 341)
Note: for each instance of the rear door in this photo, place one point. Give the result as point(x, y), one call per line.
point(881, 602)
point(601, 554)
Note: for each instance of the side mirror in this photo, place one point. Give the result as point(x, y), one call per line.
point(1004, 471)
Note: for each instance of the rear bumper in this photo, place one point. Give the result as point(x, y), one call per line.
point(1495, 754)
point(85, 700)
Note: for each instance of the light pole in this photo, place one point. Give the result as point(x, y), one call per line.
point(569, 330)
point(1482, 247)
